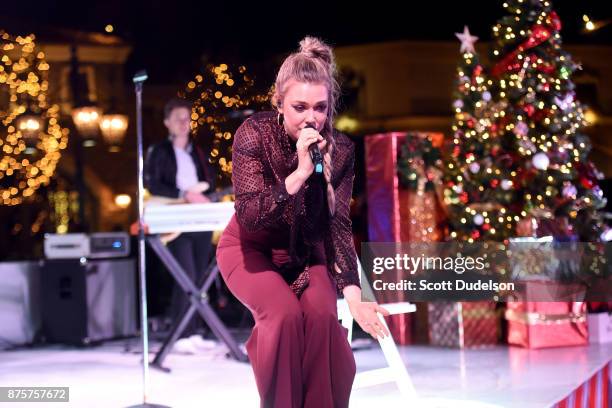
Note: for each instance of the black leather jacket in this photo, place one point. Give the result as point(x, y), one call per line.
point(160, 169)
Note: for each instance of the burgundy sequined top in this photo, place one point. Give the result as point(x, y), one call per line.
point(263, 156)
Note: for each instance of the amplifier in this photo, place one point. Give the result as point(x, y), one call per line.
point(66, 246)
point(96, 245)
point(109, 245)
point(84, 302)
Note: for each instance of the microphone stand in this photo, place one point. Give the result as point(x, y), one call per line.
point(139, 79)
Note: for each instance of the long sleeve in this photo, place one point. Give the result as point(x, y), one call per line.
point(257, 205)
point(154, 168)
point(339, 244)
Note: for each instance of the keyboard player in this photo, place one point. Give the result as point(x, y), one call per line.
point(177, 168)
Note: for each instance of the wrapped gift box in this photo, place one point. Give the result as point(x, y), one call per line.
point(463, 324)
point(395, 214)
point(547, 324)
point(392, 210)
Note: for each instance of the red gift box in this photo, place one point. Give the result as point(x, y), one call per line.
point(547, 324)
point(463, 324)
point(393, 210)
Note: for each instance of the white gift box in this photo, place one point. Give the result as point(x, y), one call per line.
point(600, 327)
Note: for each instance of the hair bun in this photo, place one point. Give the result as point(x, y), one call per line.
point(315, 48)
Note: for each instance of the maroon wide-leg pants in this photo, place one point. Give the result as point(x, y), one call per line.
point(299, 351)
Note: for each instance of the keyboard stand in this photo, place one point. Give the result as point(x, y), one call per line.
point(198, 299)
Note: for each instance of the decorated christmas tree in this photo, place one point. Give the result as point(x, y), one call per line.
point(478, 181)
point(519, 164)
point(541, 127)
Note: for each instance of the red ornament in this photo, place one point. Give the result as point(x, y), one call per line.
point(486, 227)
point(515, 67)
point(494, 183)
point(555, 20)
point(475, 234)
point(503, 122)
point(529, 109)
point(586, 183)
point(539, 34)
point(470, 123)
point(546, 68)
point(463, 197)
point(541, 114)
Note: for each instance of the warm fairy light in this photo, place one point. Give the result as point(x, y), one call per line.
point(588, 24)
point(109, 28)
point(65, 208)
point(222, 99)
point(590, 116)
point(123, 200)
point(29, 124)
point(346, 124)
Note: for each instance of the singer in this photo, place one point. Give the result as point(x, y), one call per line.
point(288, 251)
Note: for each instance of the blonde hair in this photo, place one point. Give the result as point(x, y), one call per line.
point(314, 63)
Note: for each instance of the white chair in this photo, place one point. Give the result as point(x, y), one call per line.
point(395, 370)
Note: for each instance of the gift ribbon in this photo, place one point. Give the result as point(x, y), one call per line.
point(539, 34)
point(481, 313)
point(532, 318)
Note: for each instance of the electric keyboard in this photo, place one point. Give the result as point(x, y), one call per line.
point(173, 218)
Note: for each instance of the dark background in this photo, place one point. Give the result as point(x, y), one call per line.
point(172, 39)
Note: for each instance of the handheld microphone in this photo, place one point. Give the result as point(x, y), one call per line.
point(315, 155)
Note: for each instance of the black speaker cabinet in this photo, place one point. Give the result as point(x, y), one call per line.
point(85, 301)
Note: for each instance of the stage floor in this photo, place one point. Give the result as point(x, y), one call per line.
point(110, 376)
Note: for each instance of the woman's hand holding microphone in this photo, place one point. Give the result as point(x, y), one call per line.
point(305, 167)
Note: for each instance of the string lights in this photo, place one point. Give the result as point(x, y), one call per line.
point(222, 98)
point(31, 138)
